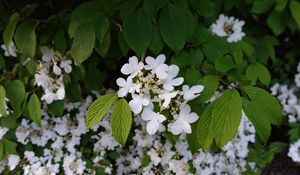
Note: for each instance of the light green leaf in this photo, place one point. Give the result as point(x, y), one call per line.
point(25, 37)
point(2, 101)
point(83, 43)
point(10, 29)
point(34, 109)
point(205, 127)
point(269, 105)
point(255, 114)
point(258, 71)
point(120, 121)
point(295, 10)
point(224, 63)
point(15, 92)
point(99, 108)
point(137, 32)
point(171, 25)
point(226, 116)
point(210, 83)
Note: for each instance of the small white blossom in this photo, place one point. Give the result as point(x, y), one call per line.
point(191, 93)
point(13, 161)
point(138, 101)
point(167, 96)
point(228, 27)
point(157, 66)
point(154, 120)
point(126, 86)
point(133, 67)
point(183, 121)
point(3, 131)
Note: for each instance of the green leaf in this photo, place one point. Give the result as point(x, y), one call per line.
point(195, 56)
point(57, 107)
point(83, 43)
point(157, 43)
point(99, 108)
point(269, 105)
point(9, 147)
point(276, 22)
point(103, 46)
point(211, 84)
point(101, 27)
point(15, 92)
point(34, 109)
point(25, 37)
point(295, 10)
point(204, 8)
point(10, 29)
point(226, 116)
point(137, 32)
point(224, 63)
point(1, 150)
point(258, 71)
point(256, 115)
point(281, 4)
point(2, 101)
point(191, 76)
point(261, 6)
point(205, 127)
point(60, 41)
point(171, 25)
point(120, 121)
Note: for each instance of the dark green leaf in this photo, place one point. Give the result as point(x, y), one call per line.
point(224, 64)
point(34, 109)
point(295, 10)
point(137, 32)
point(10, 29)
point(25, 38)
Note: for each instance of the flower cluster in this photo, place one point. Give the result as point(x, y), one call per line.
point(155, 84)
point(50, 74)
point(228, 27)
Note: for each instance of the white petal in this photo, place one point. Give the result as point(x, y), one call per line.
point(150, 61)
point(123, 92)
point(121, 82)
point(176, 127)
point(56, 69)
point(186, 127)
point(185, 110)
point(160, 71)
point(161, 118)
point(177, 81)
point(148, 114)
point(68, 69)
point(185, 88)
point(60, 93)
point(133, 60)
point(191, 118)
point(173, 70)
point(136, 106)
point(152, 127)
point(197, 88)
point(126, 69)
point(160, 59)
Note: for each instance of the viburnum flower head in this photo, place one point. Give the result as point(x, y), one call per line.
point(183, 121)
point(228, 27)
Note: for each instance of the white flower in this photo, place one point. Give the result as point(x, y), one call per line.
point(126, 86)
point(154, 119)
point(13, 161)
point(42, 80)
point(48, 54)
point(294, 151)
point(133, 67)
point(3, 131)
point(167, 96)
point(183, 121)
point(11, 51)
point(49, 96)
point(170, 82)
point(157, 66)
point(138, 101)
point(60, 93)
point(191, 93)
point(228, 27)
point(66, 65)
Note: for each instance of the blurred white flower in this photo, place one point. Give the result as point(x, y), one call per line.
point(294, 151)
point(56, 69)
point(183, 121)
point(13, 161)
point(3, 131)
point(228, 27)
point(48, 54)
point(138, 101)
point(11, 50)
point(191, 93)
point(154, 120)
point(133, 67)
